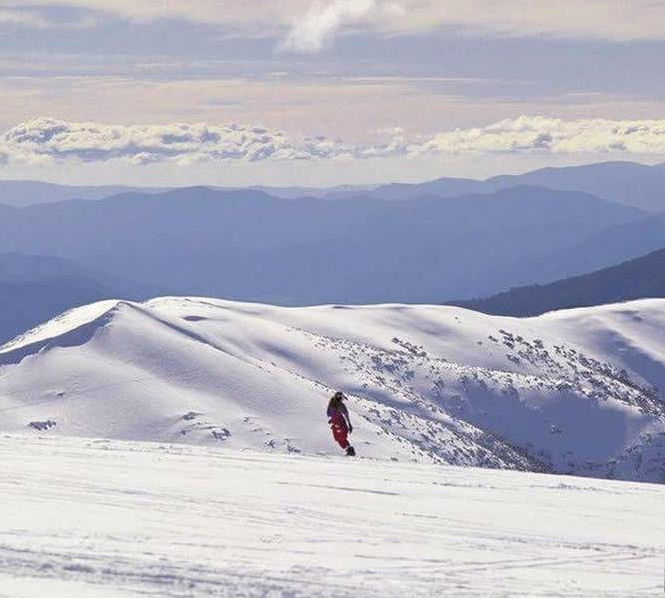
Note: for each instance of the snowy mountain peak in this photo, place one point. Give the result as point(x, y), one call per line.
point(570, 392)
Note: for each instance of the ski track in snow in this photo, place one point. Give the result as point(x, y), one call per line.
point(89, 518)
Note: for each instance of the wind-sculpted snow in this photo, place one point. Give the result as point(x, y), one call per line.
point(95, 518)
point(572, 392)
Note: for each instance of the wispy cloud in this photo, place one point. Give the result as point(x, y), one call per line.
point(46, 140)
point(38, 17)
point(318, 27)
point(22, 18)
point(592, 19)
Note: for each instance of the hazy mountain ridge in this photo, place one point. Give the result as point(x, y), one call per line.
point(251, 246)
point(400, 242)
point(606, 248)
point(635, 279)
point(19, 193)
point(629, 183)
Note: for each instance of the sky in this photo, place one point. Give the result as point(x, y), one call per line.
point(325, 92)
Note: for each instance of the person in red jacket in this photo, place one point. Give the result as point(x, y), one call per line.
point(340, 422)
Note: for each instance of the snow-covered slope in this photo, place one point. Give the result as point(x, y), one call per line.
point(569, 392)
point(92, 519)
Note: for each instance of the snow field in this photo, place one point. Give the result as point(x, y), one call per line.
point(81, 517)
point(573, 392)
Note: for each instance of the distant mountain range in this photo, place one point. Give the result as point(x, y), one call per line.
point(20, 194)
point(608, 247)
point(26, 193)
point(628, 183)
point(248, 245)
point(396, 243)
point(643, 277)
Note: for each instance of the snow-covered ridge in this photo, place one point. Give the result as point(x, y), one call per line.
point(569, 392)
point(61, 325)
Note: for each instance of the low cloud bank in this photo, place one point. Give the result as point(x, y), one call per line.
point(44, 140)
point(539, 134)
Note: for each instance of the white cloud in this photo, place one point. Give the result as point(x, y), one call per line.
point(266, 15)
point(552, 135)
point(43, 140)
point(47, 141)
point(317, 28)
